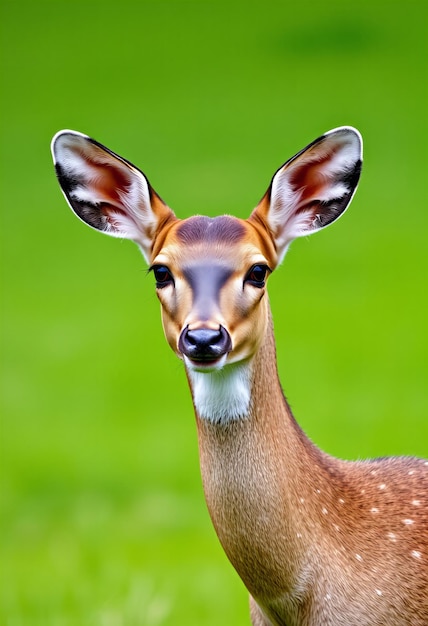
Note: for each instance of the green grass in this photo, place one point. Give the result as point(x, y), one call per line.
point(103, 518)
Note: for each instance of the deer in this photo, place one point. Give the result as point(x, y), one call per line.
point(315, 540)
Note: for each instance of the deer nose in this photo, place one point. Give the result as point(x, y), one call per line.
point(204, 344)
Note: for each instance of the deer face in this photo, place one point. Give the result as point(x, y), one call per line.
point(211, 276)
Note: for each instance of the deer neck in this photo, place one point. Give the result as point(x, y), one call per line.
point(259, 473)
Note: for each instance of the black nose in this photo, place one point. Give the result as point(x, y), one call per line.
point(204, 344)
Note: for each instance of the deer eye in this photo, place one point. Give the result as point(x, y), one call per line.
point(257, 275)
point(163, 276)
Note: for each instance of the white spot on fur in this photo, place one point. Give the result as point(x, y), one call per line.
point(324, 510)
point(327, 597)
point(411, 472)
point(374, 510)
point(337, 527)
point(408, 522)
point(416, 554)
point(342, 501)
point(302, 500)
point(382, 486)
point(392, 537)
point(223, 395)
point(359, 557)
point(318, 491)
point(416, 502)
point(378, 591)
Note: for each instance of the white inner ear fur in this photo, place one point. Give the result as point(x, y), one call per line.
point(138, 221)
point(224, 395)
point(89, 164)
point(343, 147)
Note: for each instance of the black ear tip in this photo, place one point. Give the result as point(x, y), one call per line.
point(67, 181)
point(353, 176)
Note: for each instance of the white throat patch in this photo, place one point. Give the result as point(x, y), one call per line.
point(224, 395)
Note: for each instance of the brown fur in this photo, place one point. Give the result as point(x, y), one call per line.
point(316, 540)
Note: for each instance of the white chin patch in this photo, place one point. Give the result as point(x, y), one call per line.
point(223, 394)
point(209, 366)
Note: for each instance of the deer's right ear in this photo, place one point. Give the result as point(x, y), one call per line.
point(106, 191)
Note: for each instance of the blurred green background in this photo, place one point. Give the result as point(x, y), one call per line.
point(103, 517)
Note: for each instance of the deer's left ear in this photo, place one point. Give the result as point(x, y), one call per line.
point(312, 189)
point(108, 192)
